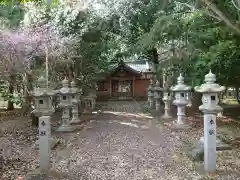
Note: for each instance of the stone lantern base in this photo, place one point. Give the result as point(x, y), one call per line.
point(66, 128)
point(75, 121)
point(87, 111)
point(220, 145)
point(177, 126)
point(166, 116)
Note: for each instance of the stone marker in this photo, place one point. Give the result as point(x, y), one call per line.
point(210, 109)
point(181, 90)
point(44, 144)
point(150, 94)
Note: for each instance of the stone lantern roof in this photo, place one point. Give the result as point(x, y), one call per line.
point(65, 90)
point(180, 87)
point(210, 86)
point(157, 87)
point(42, 90)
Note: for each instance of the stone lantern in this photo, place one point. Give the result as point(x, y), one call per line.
point(181, 90)
point(150, 94)
point(166, 99)
point(157, 95)
point(44, 108)
point(210, 108)
point(65, 104)
point(75, 98)
point(92, 95)
point(90, 101)
point(43, 99)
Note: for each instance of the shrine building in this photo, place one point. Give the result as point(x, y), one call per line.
point(126, 80)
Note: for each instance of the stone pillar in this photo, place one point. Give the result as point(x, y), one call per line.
point(181, 91)
point(66, 105)
point(210, 109)
point(44, 143)
point(157, 93)
point(150, 95)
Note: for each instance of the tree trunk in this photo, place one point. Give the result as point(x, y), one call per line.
point(196, 102)
point(10, 104)
point(27, 95)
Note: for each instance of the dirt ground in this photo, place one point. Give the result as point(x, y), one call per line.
point(120, 143)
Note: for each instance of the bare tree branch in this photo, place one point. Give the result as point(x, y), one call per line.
point(220, 14)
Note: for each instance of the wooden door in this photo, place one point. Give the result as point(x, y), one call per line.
point(122, 88)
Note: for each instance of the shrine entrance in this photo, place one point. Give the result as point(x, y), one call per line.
point(122, 88)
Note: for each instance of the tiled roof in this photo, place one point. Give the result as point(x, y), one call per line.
point(140, 67)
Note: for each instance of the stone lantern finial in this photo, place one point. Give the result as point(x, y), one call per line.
point(42, 82)
point(73, 84)
point(210, 78)
point(151, 82)
point(180, 79)
point(65, 82)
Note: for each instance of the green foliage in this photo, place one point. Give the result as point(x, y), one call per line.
point(6, 96)
point(195, 40)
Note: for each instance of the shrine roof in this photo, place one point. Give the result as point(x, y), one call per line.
point(141, 65)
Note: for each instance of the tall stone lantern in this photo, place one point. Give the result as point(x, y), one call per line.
point(151, 94)
point(210, 108)
point(75, 98)
point(66, 105)
point(43, 108)
point(181, 90)
point(157, 95)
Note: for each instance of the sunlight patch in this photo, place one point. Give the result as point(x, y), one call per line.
point(129, 124)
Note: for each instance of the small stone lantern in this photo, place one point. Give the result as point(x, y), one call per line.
point(75, 98)
point(166, 99)
point(43, 99)
point(66, 105)
point(150, 94)
point(157, 95)
point(181, 90)
point(210, 108)
point(93, 97)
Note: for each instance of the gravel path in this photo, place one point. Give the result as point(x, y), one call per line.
point(125, 147)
